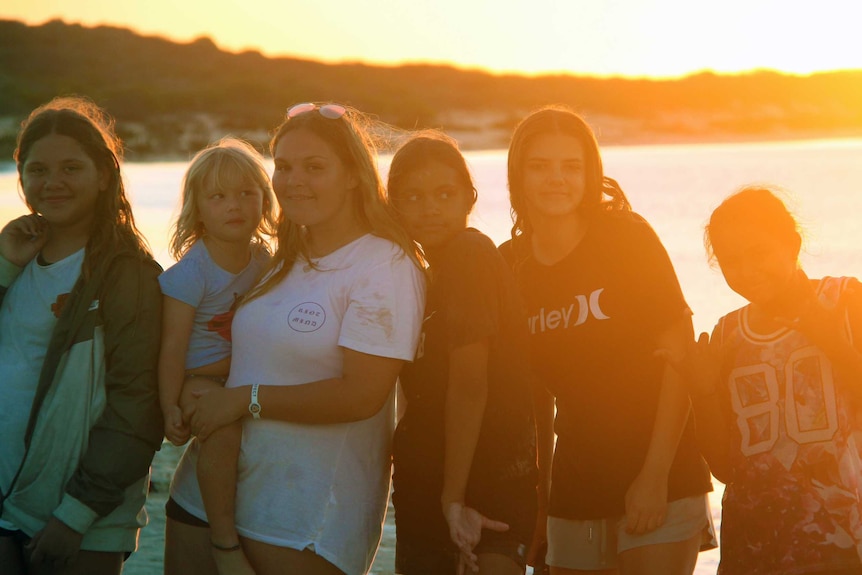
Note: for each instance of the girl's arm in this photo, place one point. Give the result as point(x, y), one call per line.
point(129, 431)
point(177, 321)
point(646, 499)
point(827, 327)
point(704, 359)
point(543, 406)
point(361, 391)
point(466, 397)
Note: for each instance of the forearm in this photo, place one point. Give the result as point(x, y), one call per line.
point(543, 404)
point(171, 377)
point(99, 483)
point(713, 435)
point(465, 408)
point(671, 417)
point(326, 401)
point(8, 272)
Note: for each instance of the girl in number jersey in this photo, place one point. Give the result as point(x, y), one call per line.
point(776, 392)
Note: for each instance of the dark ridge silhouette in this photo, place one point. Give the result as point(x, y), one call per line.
point(171, 99)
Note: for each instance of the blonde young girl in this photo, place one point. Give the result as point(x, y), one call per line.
point(219, 242)
point(79, 341)
point(776, 393)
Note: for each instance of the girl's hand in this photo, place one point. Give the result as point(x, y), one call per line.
point(176, 430)
point(825, 325)
point(465, 529)
point(54, 547)
point(216, 408)
point(646, 503)
point(700, 367)
point(23, 238)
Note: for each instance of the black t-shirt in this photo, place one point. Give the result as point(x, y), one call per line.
point(472, 295)
point(595, 318)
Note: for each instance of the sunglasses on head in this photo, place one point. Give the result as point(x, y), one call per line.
point(330, 111)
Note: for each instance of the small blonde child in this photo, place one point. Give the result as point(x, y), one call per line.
point(220, 242)
point(776, 393)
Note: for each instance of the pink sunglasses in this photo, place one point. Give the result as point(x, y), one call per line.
point(330, 111)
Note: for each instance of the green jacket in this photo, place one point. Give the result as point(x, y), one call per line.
point(95, 423)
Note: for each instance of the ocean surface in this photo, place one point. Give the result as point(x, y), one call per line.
point(674, 187)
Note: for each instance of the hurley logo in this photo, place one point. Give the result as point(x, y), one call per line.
point(565, 317)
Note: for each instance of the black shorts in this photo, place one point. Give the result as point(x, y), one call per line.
point(442, 559)
point(16, 535)
point(180, 515)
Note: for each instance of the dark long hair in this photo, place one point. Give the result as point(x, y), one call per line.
point(92, 128)
point(423, 148)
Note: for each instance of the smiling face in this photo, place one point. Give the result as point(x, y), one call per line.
point(757, 264)
point(312, 184)
point(433, 203)
point(554, 175)
point(61, 182)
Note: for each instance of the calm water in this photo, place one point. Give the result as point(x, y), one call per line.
point(674, 187)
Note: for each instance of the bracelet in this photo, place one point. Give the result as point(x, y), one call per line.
point(215, 545)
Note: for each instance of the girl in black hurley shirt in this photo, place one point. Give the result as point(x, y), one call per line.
point(465, 449)
point(628, 484)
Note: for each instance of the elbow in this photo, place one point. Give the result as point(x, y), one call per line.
point(720, 473)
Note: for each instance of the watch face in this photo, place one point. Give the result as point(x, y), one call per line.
point(254, 408)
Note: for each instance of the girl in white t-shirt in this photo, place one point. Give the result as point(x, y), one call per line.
point(219, 242)
point(317, 348)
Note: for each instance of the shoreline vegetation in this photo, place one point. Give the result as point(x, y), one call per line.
point(172, 99)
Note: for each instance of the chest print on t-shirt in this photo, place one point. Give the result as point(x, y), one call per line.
point(306, 317)
point(576, 313)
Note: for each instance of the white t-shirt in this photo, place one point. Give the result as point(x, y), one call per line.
point(28, 316)
point(319, 487)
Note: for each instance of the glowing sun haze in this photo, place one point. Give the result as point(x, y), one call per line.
point(658, 38)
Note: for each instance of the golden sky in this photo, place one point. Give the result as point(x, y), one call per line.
point(657, 38)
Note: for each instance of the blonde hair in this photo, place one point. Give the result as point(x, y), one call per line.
point(348, 136)
point(218, 166)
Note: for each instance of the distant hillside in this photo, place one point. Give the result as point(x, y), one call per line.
point(170, 99)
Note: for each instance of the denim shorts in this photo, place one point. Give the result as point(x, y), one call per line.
point(595, 544)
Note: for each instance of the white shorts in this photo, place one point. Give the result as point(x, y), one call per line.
point(595, 544)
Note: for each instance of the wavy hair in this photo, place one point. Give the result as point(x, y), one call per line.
point(113, 226)
point(349, 138)
point(225, 164)
point(602, 193)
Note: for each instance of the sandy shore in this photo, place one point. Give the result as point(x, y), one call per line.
point(148, 559)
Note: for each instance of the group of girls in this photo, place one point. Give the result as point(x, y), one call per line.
point(548, 388)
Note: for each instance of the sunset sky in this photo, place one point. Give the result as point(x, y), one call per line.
point(657, 38)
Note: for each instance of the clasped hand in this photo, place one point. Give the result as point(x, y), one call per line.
point(54, 547)
point(211, 410)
